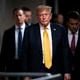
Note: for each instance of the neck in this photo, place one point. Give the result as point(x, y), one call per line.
point(19, 24)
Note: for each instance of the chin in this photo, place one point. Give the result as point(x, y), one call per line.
point(45, 23)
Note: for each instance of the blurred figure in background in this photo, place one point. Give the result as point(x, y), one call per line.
point(59, 19)
point(28, 16)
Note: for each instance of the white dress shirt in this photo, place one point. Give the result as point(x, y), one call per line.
point(70, 37)
point(16, 37)
point(50, 37)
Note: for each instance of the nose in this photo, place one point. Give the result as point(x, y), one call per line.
point(18, 17)
point(44, 16)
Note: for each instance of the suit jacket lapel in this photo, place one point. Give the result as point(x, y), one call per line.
point(12, 36)
point(25, 32)
point(68, 39)
point(38, 38)
point(54, 38)
point(78, 41)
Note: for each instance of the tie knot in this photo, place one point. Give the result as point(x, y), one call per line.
point(73, 33)
point(45, 32)
point(45, 29)
point(19, 28)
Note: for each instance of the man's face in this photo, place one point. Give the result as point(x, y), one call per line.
point(28, 16)
point(44, 17)
point(60, 19)
point(19, 17)
point(73, 24)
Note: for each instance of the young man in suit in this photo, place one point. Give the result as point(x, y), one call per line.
point(42, 39)
point(73, 39)
point(11, 51)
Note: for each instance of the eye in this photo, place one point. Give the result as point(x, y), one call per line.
point(74, 23)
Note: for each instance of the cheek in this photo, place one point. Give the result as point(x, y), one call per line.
point(71, 27)
point(49, 17)
point(41, 19)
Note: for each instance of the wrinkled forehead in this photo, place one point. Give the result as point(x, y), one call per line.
point(73, 20)
point(43, 9)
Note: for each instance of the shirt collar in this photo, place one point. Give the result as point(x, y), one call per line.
point(22, 26)
point(69, 32)
point(42, 28)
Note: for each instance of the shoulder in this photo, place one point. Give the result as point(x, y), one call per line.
point(58, 27)
point(9, 30)
point(32, 27)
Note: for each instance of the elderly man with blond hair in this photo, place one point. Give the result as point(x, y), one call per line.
point(45, 46)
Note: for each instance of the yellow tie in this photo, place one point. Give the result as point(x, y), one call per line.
point(47, 50)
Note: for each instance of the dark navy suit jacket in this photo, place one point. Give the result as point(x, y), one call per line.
point(33, 55)
point(7, 57)
point(74, 60)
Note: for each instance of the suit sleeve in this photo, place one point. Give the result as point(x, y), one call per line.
point(65, 53)
point(25, 51)
point(3, 52)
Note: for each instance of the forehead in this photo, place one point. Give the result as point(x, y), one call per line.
point(43, 11)
point(19, 12)
point(27, 12)
point(60, 16)
point(73, 20)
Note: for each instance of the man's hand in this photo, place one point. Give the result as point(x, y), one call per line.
point(27, 78)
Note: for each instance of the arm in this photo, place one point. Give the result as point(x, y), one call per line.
point(3, 52)
point(66, 63)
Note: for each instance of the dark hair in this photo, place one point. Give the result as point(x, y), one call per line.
point(16, 9)
point(73, 15)
point(26, 9)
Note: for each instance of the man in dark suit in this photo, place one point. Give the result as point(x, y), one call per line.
point(73, 39)
point(35, 46)
point(11, 51)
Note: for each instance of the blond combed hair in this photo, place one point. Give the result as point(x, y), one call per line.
point(44, 7)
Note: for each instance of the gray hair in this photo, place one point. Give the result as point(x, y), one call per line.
point(44, 7)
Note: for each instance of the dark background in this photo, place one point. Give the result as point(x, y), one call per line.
point(65, 5)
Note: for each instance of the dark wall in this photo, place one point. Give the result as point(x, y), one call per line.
point(65, 5)
point(6, 7)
